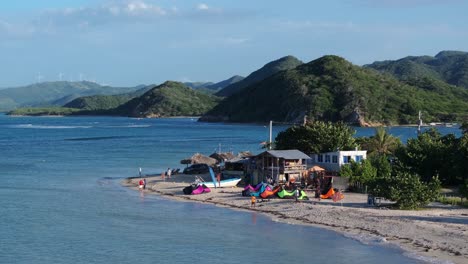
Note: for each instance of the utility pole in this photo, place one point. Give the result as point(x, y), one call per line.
point(270, 142)
point(419, 123)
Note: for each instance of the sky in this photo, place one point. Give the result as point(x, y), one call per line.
point(133, 42)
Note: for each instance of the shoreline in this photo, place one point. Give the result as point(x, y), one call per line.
point(438, 233)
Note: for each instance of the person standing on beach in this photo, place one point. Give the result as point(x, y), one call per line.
point(144, 184)
point(252, 201)
point(218, 178)
point(140, 184)
point(168, 173)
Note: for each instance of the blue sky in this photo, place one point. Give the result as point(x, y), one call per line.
point(131, 42)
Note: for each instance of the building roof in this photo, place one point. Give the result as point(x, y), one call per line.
point(286, 154)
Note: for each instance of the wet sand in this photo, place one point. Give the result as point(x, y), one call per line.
point(438, 231)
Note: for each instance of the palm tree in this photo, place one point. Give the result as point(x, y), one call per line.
point(464, 127)
point(382, 142)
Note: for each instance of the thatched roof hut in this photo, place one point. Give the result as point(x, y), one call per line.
point(198, 158)
point(245, 154)
point(223, 156)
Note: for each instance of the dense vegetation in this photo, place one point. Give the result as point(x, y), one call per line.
point(447, 66)
point(285, 63)
point(316, 137)
point(332, 89)
point(41, 111)
point(168, 99)
point(97, 102)
point(410, 175)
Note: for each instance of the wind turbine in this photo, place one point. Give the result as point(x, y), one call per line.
point(39, 77)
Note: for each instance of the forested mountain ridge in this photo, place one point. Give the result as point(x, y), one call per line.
point(333, 89)
point(168, 99)
point(447, 66)
point(281, 64)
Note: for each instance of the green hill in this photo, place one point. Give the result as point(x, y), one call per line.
point(331, 88)
point(104, 102)
point(210, 87)
point(447, 66)
point(168, 99)
point(285, 63)
point(53, 93)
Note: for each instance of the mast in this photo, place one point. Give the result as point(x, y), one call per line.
point(271, 125)
point(419, 122)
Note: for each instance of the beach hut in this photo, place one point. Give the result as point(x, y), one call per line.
point(280, 165)
point(222, 156)
point(198, 158)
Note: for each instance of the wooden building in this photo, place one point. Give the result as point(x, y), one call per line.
point(275, 166)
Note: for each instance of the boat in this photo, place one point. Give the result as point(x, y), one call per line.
point(231, 182)
point(224, 183)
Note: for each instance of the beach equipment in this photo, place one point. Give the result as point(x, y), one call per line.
point(251, 188)
point(268, 193)
point(201, 189)
point(290, 194)
point(196, 189)
point(329, 194)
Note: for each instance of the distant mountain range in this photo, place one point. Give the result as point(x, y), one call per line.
point(331, 88)
point(286, 90)
point(54, 93)
point(447, 66)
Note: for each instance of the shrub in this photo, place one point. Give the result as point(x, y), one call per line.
point(406, 189)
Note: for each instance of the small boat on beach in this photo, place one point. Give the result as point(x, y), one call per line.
point(224, 183)
point(231, 182)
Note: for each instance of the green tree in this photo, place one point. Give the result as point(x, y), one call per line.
point(463, 189)
point(406, 189)
point(317, 137)
point(359, 172)
point(431, 154)
point(382, 143)
point(464, 127)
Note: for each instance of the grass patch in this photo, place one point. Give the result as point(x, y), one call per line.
point(453, 201)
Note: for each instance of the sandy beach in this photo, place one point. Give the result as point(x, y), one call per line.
point(438, 232)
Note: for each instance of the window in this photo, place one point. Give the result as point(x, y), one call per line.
point(335, 159)
point(320, 158)
point(346, 159)
point(358, 158)
point(327, 158)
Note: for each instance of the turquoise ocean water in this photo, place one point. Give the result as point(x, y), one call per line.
point(61, 201)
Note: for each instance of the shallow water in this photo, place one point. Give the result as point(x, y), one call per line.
point(61, 201)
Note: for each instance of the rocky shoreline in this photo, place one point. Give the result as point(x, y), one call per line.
point(439, 232)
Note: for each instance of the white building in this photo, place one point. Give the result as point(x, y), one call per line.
point(332, 161)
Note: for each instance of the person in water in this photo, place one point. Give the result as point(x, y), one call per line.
point(252, 201)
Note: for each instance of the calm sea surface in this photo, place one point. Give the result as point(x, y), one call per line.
point(61, 201)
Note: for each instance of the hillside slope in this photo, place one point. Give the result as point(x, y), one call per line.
point(331, 88)
point(168, 99)
point(53, 93)
point(284, 63)
point(446, 66)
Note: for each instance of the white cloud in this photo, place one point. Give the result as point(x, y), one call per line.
point(126, 11)
point(203, 6)
point(233, 40)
